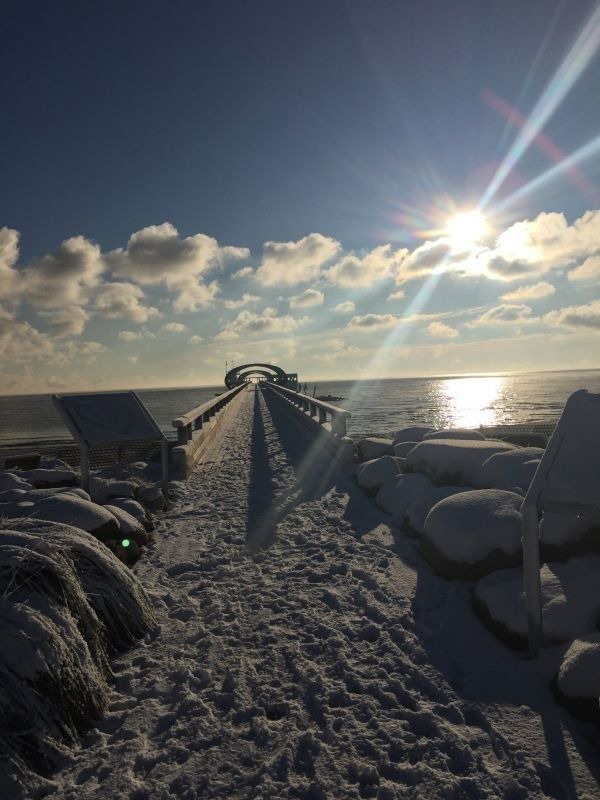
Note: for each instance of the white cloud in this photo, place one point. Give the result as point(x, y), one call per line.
point(441, 331)
point(132, 359)
point(123, 301)
point(576, 317)
point(135, 336)
point(373, 321)
point(195, 339)
point(423, 260)
point(245, 300)
point(64, 322)
point(65, 277)
point(9, 253)
point(157, 254)
point(588, 271)
point(247, 322)
point(397, 295)
point(535, 291)
point(306, 299)
point(20, 341)
point(352, 271)
point(194, 294)
point(347, 307)
point(505, 314)
point(174, 327)
point(290, 263)
point(244, 272)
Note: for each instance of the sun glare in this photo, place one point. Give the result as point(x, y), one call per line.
point(467, 229)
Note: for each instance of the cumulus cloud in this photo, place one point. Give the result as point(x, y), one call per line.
point(399, 295)
point(174, 327)
point(441, 331)
point(576, 317)
point(247, 322)
point(306, 299)
point(423, 260)
point(195, 339)
point(158, 254)
point(123, 301)
point(64, 322)
point(347, 307)
point(132, 359)
point(245, 300)
point(353, 271)
point(290, 263)
point(372, 322)
point(504, 314)
point(65, 277)
point(135, 336)
point(535, 291)
point(9, 253)
point(244, 272)
point(20, 340)
point(588, 271)
point(504, 269)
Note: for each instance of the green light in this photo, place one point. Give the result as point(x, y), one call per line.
point(126, 542)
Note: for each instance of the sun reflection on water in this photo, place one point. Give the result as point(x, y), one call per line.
point(472, 402)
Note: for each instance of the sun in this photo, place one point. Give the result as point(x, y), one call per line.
point(467, 229)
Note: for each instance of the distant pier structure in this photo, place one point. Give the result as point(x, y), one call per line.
point(262, 372)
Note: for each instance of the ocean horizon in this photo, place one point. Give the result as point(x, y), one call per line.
point(378, 406)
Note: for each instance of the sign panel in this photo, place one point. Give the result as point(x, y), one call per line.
point(107, 418)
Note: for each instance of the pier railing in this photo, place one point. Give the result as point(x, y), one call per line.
point(200, 416)
point(316, 409)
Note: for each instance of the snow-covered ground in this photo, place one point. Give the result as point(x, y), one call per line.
point(307, 652)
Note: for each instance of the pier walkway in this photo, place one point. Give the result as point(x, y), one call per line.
point(305, 652)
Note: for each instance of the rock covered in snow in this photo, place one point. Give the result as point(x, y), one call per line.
point(373, 474)
point(38, 494)
point(402, 449)
point(44, 478)
point(510, 469)
point(397, 494)
point(453, 462)
point(578, 683)
point(68, 510)
point(66, 604)
point(464, 434)
point(103, 489)
point(152, 497)
point(472, 533)
point(414, 433)
point(136, 510)
point(12, 495)
point(129, 526)
point(417, 511)
point(570, 601)
point(526, 439)
point(373, 447)
point(8, 480)
point(565, 535)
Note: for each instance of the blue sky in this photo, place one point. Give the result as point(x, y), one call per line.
point(184, 183)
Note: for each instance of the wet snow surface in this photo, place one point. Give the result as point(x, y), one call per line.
point(304, 654)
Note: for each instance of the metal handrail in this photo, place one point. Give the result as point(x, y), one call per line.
point(315, 408)
point(193, 420)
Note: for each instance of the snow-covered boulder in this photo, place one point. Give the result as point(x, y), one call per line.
point(38, 494)
point(136, 510)
point(414, 433)
point(68, 510)
point(453, 462)
point(472, 533)
point(12, 495)
point(510, 469)
point(566, 535)
point(8, 480)
point(66, 604)
point(464, 434)
point(103, 489)
point(525, 439)
point(43, 478)
point(578, 683)
point(417, 511)
point(397, 494)
point(373, 474)
point(152, 497)
point(402, 449)
point(129, 526)
point(372, 447)
point(570, 601)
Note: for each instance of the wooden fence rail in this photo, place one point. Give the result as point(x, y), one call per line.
point(194, 420)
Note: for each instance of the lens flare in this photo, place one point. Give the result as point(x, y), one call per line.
point(467, 229)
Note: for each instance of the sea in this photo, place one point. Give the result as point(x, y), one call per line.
point(377, 406)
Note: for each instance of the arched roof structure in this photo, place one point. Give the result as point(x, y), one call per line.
point(234, 375)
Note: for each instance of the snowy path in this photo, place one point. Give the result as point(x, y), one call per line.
point(302, 654)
